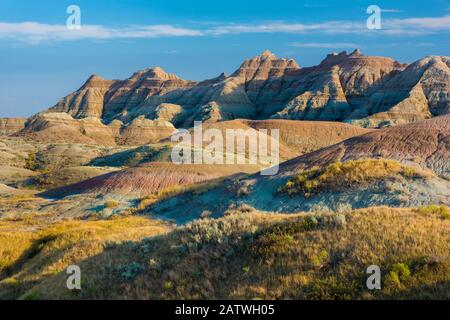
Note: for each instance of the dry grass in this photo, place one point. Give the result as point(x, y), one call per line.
point(13, 245)
point(348, 174)
point(166, 193)
point(50, 179)
point(440, 211)
point(32, 252)
point(18, 198)
point(248, 254)
point(111, 204)
point(151, 198)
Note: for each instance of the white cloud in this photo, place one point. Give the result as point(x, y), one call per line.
point(33, 32)
point(417, 25)
point(391, 10)
point(315, 5)
point(424, 44)
point(280, 27)
point(408, 26)
point(330, 45)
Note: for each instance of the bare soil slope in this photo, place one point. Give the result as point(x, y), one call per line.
point(421, 150)
point(426, 143)
point(149, 178)
point(307, 136)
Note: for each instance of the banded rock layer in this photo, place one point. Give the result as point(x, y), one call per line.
point(367, 90)
point(62, 127)
point(11, 125)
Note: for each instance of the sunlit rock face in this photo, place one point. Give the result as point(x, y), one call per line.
point(366, 90)
point(11, 125)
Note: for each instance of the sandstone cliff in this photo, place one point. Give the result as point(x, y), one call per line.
point(106, 99)
point(366, 90)
point(11, 125)
point(62, 127)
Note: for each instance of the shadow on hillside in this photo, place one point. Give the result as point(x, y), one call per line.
point(133, 157)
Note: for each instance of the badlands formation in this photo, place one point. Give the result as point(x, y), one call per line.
point(364, 145)
point(368, 91)
point(112, 137)
point(344, 87)
point(11, 125)
point(106, 135)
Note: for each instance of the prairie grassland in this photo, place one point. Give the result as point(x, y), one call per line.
point(31, 250)
point(441, 211)
point(172, 191)
point(353, 173)
point(255, 255)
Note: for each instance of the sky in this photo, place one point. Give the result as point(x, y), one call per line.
point(42, 60)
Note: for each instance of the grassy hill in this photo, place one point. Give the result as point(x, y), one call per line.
point(245, 254)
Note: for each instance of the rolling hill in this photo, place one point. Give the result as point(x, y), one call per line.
point(384, 167)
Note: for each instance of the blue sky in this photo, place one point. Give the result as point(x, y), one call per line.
point(41, 61)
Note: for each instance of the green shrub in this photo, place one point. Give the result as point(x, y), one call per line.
point(310, 223)
point(168, 285)
point(331, 288)
point(131, 270)
point(280, 239)
point(30, 162)
point(33, 295)
point(397, 276)
point(392, 280)
point(339, 220)
point(111, 204)
point(441, 211)
point(320, 258)
point(402, 270)
point(348, 174)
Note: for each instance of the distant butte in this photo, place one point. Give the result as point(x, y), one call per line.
point(369, 91)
